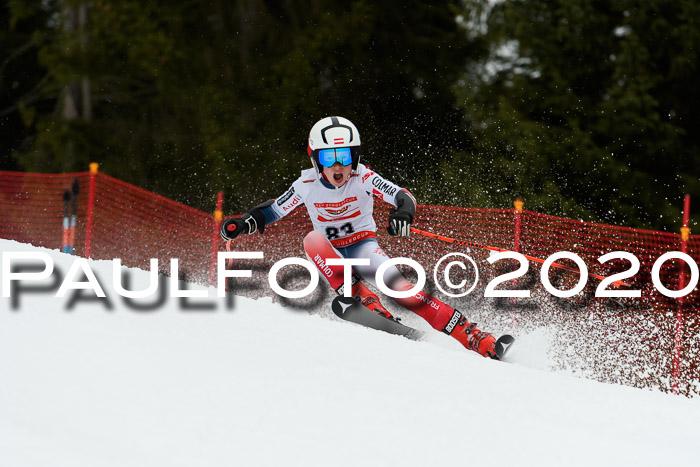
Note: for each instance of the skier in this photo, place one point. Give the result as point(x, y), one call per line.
point(338, 193)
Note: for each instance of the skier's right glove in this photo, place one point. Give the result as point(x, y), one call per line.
point(232, 228)
point(248, 223)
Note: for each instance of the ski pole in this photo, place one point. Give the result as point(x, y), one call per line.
point(491, 248)
point(74, 216)
point(66, 221)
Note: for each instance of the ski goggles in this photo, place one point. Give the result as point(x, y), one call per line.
point(328, 157)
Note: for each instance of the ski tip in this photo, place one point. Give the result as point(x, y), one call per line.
point(340, 304)
point(340, 298)
point(503, 345)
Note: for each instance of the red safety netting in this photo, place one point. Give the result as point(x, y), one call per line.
point(32, 206)
point(127, 222)
point(135, 225)
point(543, 235)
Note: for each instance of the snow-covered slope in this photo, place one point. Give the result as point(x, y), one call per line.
point(263, 385)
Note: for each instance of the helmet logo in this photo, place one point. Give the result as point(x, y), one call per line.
point(335, 123)
point(338, 141)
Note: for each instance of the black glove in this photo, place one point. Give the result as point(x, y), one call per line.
point(400, 218)
point(248, 223)
point(232, 228)
point(399, 223)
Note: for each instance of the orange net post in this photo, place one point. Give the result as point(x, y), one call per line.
point(518, 203)
point(94, 167)
point(685, 235)
point(216, 225)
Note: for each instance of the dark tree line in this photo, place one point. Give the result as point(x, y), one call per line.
point(583, 108)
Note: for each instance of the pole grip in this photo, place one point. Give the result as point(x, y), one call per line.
point(75, 190)
point(66, 221)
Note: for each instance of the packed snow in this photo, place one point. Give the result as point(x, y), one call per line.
point(88, 382)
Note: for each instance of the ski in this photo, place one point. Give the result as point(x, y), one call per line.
point(503, 346)
point(349, 309)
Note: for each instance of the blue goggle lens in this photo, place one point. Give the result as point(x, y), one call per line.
point(328, 157)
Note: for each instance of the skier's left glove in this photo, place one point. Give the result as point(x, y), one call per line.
point(400, 219)
point(399, 223)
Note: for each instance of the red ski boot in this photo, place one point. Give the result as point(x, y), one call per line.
point(472, 338)
point(372, 302)
point(368, 299)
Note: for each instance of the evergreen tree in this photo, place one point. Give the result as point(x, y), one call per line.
point(25, 92)
point(584, 108)
point(193, 96)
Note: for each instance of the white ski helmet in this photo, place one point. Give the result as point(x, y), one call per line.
point(334, 133)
